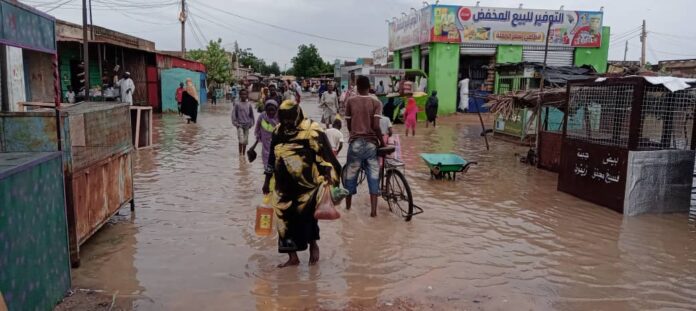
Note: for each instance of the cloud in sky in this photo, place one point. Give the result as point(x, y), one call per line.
point(670, 36)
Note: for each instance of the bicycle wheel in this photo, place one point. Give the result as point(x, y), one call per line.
point(398, 194)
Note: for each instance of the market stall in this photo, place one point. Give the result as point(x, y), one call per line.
point(97, 159)
point(633, 148)
point(402, 84)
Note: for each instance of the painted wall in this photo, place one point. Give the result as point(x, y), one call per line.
point(444, 64)
point(415, 57)
point(396, 60)
point(595, 57)
point(170, 79)
point(508, 54)
point(16, 91)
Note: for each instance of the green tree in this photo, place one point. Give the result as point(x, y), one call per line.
point(274, 69)
point(308, 62)
point(216, 61)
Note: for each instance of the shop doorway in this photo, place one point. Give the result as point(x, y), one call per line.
point(425, 64)
point(407, 63)
point(475, 67)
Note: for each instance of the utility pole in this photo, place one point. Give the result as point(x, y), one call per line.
point(182, 19)
point(626, 51)
point(85, 47)
point(643, 37)
point(91, 21)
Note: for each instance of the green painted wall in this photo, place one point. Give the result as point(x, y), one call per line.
point(509, 54)
point(415, 57)
point(396, 60)
point(444, 64)
point(595, 57)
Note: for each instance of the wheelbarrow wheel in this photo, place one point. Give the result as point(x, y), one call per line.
point(398, 194)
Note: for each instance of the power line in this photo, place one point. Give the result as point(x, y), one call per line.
point(668, 53)
point(627, 32)
point(197, 28)
point(289, 30)
point(671, 35)
point(626, 35)
point(58, 6)
point(195, 35)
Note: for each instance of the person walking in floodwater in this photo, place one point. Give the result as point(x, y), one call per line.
point(431, 109)
point(329, 106)
point(264, 128)
point(363, 114)
point(410, 116)
point(243, 119)
point(179, 96)
point(189, 101)
point(301, 160)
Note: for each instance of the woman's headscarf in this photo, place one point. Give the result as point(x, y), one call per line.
point(290, 116)
point(191, 89)
point(271, 102)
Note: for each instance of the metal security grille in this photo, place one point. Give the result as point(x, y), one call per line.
point(666, 119)
point(516, 83)
point(560, 58)
point(602, 114)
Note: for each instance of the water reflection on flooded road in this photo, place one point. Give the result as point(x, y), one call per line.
point(501, 237)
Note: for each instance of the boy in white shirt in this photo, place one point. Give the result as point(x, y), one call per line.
point(335, 137)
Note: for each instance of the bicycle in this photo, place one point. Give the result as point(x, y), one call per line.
point(392, 184)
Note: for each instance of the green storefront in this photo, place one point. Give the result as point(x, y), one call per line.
point(454, 42)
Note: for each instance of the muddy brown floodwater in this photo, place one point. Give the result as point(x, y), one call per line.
point(500, 237)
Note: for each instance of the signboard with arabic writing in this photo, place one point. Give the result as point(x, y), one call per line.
point(27, 28)
point(516, 26)
point(461, 24)
point(380, 56)
point(410, 30)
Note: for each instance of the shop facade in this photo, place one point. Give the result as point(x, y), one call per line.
point(111, 54)
point(452, 42)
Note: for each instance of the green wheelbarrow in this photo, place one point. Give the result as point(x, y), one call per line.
point(445, 165)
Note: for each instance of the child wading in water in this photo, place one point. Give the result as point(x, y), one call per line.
point(335, 136)
point(265, 126)
point(243, 119)
point(410, 116)
point(431, 110)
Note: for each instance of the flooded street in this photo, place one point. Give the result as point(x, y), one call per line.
point(500, 237)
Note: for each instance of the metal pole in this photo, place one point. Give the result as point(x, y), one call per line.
point(541, 90)
point(182, 19)
point(91, 21)
point(643, 37)
point(85, 46)
point(626, 51)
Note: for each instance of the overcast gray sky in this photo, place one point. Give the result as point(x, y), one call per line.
point(362, 21)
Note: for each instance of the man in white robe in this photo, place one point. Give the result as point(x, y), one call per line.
point(464, 94)
point(127, 88)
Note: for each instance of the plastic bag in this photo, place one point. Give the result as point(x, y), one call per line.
point(325, 210)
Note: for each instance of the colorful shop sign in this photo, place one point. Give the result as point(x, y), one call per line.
point(458, 24)
point(27, 28)
point(410, 30)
